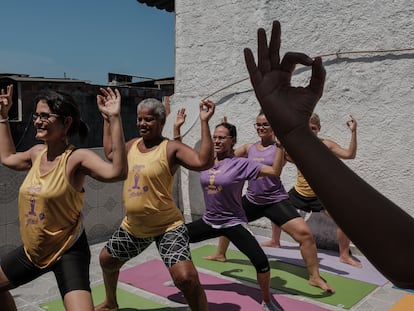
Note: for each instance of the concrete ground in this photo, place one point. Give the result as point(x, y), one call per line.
point(29, 296)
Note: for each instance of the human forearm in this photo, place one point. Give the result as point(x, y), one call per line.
point(177, 132)
point(107, 139)
point(117, 145)
point(279, 160)
point(7, 147)
point(206, 153)
point(353, 145)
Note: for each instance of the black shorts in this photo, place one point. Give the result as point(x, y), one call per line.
point(307, 204)
point(71, 270)
point(279, 213)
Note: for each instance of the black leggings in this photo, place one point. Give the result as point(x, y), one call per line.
point(238, 235)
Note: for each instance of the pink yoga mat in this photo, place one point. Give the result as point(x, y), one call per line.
point(222, 294)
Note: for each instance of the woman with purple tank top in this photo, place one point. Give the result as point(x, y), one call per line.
point(266, 197)
point(222, 187)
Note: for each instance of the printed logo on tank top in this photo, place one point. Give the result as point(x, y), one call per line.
point(212, 188)
point(137, 190)
point(257, 159)
point(33, 217)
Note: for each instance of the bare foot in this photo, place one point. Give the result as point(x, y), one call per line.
point(105, 307)
point(219, 258)
point(270, 243)
point(351, 261)
point(318, 282)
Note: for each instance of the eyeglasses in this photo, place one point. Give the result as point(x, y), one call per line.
point(221, 138)
point(264, 125)
point(44, 116)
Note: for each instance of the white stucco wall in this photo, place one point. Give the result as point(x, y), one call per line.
point(376, 88)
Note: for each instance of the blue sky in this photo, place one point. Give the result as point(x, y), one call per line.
point(86, 39)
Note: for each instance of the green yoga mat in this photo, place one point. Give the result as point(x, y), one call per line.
point(286, 277)
point(126, 300)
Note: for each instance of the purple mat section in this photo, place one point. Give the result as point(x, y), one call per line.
point(222, 294)
point(328, 262)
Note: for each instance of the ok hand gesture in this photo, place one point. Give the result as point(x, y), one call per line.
point(285, 106)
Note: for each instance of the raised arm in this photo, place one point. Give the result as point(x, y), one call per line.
point(109, 105)
point(204, 158)
point(360, 210)
point(8, 155)
point(343, 153)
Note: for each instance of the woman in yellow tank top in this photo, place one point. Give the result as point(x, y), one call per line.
point(51, 196)
point(151, 214)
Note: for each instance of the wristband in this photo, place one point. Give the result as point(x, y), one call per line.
point(4, 120)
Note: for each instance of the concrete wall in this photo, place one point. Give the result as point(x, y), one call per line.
point(376, 88)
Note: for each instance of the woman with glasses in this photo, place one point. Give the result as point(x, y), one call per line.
point(151, 214)
point(51, 196)
point(266, 197)
point(222, 186)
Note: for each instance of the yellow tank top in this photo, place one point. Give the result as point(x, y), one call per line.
point(147, 193)
point(302, 186)
point(49, 212)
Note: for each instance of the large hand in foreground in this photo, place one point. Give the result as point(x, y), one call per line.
point(285, 106)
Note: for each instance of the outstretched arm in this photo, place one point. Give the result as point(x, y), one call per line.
point(376, 225)
point(204, 158)
point(343, 153)
point(8, 155)
point(109, 105)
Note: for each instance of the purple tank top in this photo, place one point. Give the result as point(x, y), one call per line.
point(264, 190)
point(222, 186)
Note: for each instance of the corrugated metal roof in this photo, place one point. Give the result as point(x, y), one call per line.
point(167, 5)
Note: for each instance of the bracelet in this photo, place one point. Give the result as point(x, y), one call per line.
point(4, 120)
point(177, 137)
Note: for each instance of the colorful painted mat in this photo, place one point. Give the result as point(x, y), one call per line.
point(328, 262)
point(127, 301)
point(287, 277)
point(222, 294)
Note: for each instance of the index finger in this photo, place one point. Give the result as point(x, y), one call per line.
point(254, 72)
point(318, 77)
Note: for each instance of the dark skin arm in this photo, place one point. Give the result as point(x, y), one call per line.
point(377, 226)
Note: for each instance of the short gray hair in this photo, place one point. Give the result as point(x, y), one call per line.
point(155, 106)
